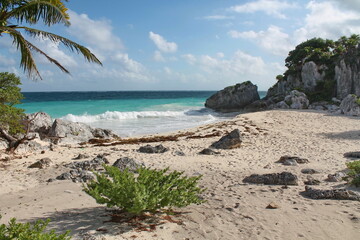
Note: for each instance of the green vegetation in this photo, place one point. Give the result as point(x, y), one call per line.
point(322, 52)
point(353, 176)
point(27, 231)
point(10, 95)
point(13, 13)
point(145, 191)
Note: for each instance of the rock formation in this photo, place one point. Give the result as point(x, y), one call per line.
point(233, 98)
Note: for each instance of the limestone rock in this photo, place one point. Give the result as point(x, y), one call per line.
point(350, 105)
point(309, 171)
point(311, 181)
point(338, 194)
point(233, 98)
point(297, 100)
point(272, 205)
point(128, 163)
point(40, 123)
point(71, 132)
point(94, 164)
point(286, 160)
point(284, 178)
point(230, 141)
point(336, 177)
point(42, 163)
point(352, 155)
point(150, 149)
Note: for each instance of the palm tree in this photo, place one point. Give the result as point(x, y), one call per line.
point(14, 12)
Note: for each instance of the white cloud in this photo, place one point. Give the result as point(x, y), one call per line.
point(328, 20)
point(159, 57)
point(350, 4)
point(6, 61)
point(270, 7)
point(218, 17)
point(96, 33)
point(189, 58)
point(272, 40)
point(162, 44)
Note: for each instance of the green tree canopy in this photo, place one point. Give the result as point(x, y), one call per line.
point(14, 13)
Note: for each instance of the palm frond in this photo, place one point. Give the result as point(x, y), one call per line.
point(27, 62)
point(73, 46)
point(50, 11)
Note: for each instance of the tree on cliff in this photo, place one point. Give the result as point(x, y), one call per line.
point(13, 13)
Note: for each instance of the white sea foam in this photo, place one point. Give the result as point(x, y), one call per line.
point(146, 122)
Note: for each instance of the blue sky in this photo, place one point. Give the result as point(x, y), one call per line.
point(182, 45)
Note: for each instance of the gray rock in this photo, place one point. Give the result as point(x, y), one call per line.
point(290, 162)
point(284, 178)
point(338, 194)
point(297, 100)
point(336, 177)
point(233, 98)
point(64, 176)
point(347, 75)
point(179, 153)
point(352, 155)
point(40, 124)
point(71, 132)
point(350, 105)
point(128, 163)
point(311, 181)
point(309, 171)
point(42, 163)
point(208, 151)
point(94, 164)
point(81, 156)
point(150, 149)
point(230, 141)
point(290, 159)
point(280, 105)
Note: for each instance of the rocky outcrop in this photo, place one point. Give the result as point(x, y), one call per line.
point(297, 100)
point(338, 194)
point(233, 98)
point(40, 123)
point(347, 76)
point(71, 132)
point(350, 105)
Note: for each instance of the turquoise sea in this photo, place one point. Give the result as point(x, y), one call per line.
point(127, 113)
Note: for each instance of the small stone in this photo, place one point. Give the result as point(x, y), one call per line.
point(272, 205)
point(337, 177)
point(230, 141)
point(128, 163)
point(81, 156)
point(309, 171)
point(290, 162)
point(42, 163)
point(311, 181)
point(42, 152)
point(64, 176)
point(284, 178)
point(208, 151)
point(352, 155)
point(179, 153)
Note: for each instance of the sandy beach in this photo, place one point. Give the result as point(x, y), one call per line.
point(234, 210)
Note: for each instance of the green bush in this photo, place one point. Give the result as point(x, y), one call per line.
point(147, 190)
point(27, 231)
point(353, 176)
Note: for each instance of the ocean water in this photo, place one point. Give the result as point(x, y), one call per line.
point(127, 113)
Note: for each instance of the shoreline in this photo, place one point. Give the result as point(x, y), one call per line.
point(234, 210)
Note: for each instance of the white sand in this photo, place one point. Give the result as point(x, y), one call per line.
point(233, 210)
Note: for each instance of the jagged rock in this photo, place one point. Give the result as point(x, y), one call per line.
point(338, 194)
point(350, 105)
point(64, 176)
point(311, 181)
point(309, 171)
point(81, 156)
point(129, 163)
point(233, 98)
point(150, 149)
point(77, 175)
point(352, 155)
point(42, 163)
point(284, 178)
point(337, 177)
point(71, 132)
point(230, 141)
point(208, 151)
point(280, 105)
point(94, 164)
point(297, 100)
point(347, 75)
point(40, 123)
point(288, 160)
point(259, 105)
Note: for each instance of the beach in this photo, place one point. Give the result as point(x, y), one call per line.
point(233, 209)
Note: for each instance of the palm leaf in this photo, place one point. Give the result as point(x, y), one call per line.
point(73, 46)
point(27, 61)
point(31, 11)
